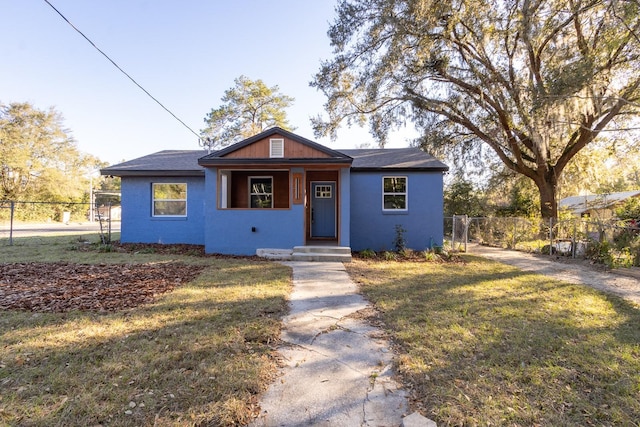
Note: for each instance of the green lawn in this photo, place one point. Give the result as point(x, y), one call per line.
point(482, 343)
point(197, 356)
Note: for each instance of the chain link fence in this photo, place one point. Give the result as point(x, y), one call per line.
point(615, 243)
point(39, 219)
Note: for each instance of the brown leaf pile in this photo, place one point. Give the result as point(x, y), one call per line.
point(61, 287)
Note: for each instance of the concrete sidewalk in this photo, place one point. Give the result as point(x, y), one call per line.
point(337, 367)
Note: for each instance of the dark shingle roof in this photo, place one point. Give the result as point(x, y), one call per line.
point(185, 162)
point(166, 163)
point(394, 158)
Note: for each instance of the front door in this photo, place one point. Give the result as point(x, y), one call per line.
point(323, 210)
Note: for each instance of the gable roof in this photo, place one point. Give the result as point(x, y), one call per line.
point(191, 162)
point(219, 157)
point(165, 163)
point(410, 158)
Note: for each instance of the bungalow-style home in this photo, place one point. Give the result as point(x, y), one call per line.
point(279, 190)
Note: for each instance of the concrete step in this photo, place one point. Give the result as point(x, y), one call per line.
point(323, 249)
point(308, 253)
point(320, 257)
point(275, 254)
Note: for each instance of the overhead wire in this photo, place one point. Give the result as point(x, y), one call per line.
point(121, 70)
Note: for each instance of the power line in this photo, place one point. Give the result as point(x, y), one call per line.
point(121, 70)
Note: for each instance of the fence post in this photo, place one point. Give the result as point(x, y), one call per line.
point(11, 209)
point(109, 225)
point(466, 232)
point(453, 233)
point(550, 236)
point(573, 241)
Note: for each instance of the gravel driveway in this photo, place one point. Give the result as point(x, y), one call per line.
point(622, 283)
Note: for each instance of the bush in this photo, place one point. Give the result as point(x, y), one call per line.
point(400, 243)
point(368, 253)
point(430, 256)
point(389, 256)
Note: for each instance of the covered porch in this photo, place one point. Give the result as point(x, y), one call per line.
point(276, 191)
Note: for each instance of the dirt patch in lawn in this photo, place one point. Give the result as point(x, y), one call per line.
point(62, 287)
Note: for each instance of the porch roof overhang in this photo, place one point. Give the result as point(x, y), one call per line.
point(273, 162)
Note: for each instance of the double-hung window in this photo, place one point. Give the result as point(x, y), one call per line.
point(394, 193)
point(169, 199)
point(261, 192)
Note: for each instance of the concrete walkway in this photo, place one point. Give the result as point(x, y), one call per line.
point(626, 287)
point(337, 367)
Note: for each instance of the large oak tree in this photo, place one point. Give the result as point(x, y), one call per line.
point(534, 80)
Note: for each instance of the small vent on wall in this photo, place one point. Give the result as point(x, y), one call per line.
point(277, 148)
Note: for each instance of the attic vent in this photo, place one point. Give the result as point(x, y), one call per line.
point(276, 148)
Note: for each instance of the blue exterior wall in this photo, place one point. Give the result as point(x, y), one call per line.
point(345, 206)
point(139, 226)
point(363, 224)
point(371, 228)
point(229, 231)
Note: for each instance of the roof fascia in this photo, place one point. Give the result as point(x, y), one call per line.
point(276, 161)
point(125, 172)
point(396, 169)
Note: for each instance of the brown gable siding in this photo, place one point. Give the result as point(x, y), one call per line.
point(292, 150)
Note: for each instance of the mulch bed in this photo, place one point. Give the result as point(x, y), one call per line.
point(62, 287)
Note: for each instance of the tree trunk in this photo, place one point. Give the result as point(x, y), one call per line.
point(548, 204)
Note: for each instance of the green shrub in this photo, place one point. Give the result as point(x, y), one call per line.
point(368, 253)
point(600, 252)
point(399, 242)
point(389, 256)
point(430, 255)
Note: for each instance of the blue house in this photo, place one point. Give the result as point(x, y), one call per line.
point(280, 190)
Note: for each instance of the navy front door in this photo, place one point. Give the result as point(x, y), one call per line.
point(323, 209)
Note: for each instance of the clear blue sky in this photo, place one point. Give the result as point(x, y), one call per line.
point(186, 53)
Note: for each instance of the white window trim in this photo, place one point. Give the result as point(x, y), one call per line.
point(252, 193)
point(406, 193)
point(153, 200)
point(276, 148)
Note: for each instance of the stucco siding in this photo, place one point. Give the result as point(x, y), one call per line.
point(373, 228)
point(140, 226)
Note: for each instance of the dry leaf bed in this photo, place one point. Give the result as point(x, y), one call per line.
point(62, 287)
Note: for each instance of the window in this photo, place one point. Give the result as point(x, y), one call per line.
point(257, 189)
point(276, 147)
point(323, 192)
point(394, 193)
point(169, 199)
point(261, 192)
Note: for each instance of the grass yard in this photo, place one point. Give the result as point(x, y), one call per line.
point(198, 355)
point(485, 344)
